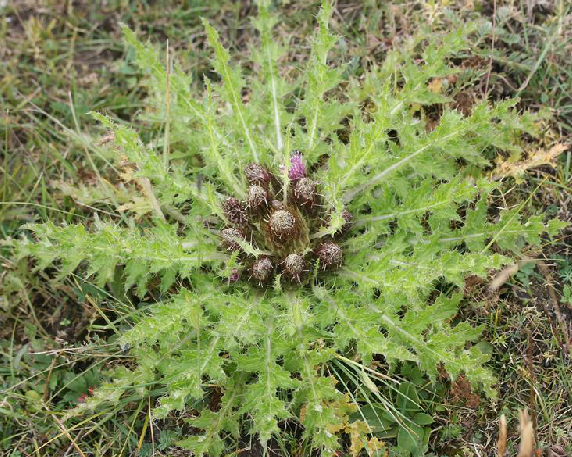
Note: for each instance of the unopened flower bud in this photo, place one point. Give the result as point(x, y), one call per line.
point(235, 211)
point(277, 205)
point(348, 219)
point(257, 174)
point(346, 216)
point(257, 198)
point(305, 192)
point(294, 266)
point(283, 224)
point(234, 275)
point(262, 269)
point(330, 255)
point(230, 237)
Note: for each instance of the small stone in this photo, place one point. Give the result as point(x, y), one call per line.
point(283, 224)
point(330, 255)
point(262, 269)
point(235, 211)
point(257, 174)
point(229, 238)
point(257, 198)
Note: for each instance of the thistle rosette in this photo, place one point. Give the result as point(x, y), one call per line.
point(278, 265)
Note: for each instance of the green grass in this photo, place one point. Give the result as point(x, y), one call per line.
point(61, 60)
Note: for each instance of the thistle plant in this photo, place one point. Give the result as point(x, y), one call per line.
point(323, 219)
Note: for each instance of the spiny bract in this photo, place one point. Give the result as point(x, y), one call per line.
point(402, 207)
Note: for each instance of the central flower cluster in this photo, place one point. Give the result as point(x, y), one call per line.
point(281, 225)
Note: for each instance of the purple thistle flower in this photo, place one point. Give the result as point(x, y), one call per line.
point(297, 168)
point(234, 276)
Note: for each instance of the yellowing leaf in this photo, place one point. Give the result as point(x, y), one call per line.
point(140, 206)
point(369, 383)
point(357, 431)
point(374, 445)
point(535, 159)
point(436, 86)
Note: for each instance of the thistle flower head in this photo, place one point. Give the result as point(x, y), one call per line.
point(235, 211)
point(294, 266)
point(257, 198)
point(257, 174)
point(297, 168)
point(330, 255)
point(305, 192)
point(230, 237)
point(283, 223)
point(262, 269)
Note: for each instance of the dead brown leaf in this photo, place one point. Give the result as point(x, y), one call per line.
point(501, 443)
point(504, 275)
point(526, 435)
